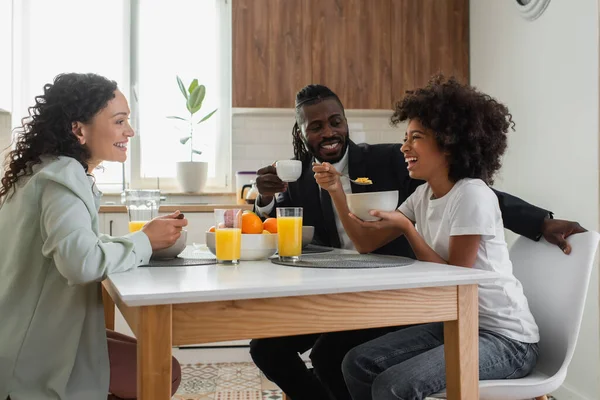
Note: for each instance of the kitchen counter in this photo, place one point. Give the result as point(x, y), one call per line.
point(167, 208)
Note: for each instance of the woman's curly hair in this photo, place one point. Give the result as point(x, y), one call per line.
point(469, 126)
point(47, 131)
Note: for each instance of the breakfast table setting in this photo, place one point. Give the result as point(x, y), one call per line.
point(255, 285)
point(256, 279)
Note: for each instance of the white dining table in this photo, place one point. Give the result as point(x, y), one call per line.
point(174, 306)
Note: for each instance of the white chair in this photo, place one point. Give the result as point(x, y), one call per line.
point(556, 287)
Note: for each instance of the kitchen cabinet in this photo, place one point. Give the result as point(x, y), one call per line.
point(271, 52)
point(352, 51)
point(117, 224)
point(368, 51)
point(198, 224)
point(436, 41)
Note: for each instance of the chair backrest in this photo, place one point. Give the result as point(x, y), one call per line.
point(556, 287)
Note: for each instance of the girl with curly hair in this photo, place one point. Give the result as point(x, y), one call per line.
point(53, 344)
point(454, 142)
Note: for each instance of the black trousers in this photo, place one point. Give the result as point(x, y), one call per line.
point(279, 359)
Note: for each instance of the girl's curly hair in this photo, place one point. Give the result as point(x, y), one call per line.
point(469, 126)
point(47, 131)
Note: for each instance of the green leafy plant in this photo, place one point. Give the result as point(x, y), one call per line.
point(194, 96)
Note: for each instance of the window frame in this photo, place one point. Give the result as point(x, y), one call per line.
point(222, 180)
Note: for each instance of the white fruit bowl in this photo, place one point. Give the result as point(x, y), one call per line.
point(360, 204)
point(254, 246)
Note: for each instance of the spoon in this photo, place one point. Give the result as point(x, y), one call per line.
point(356, 181)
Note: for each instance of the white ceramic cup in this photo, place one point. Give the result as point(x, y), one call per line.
point(289, 170)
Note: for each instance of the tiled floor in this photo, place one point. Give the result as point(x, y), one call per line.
point(224, 374)
point(225, 381)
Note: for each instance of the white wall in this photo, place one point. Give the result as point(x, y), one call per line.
point(262, 136)
point(546, 72)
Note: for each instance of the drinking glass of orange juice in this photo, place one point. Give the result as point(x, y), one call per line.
point(289, 232)
point(228, 236)
point(142, 206)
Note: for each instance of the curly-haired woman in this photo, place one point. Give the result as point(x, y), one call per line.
point(53, 344)
point(454, 141)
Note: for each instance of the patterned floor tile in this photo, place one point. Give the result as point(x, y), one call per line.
point(224, 381)
point(239, 395)
point(192, 396)
point(198, 379)
point(239, 377)
point(272, 395)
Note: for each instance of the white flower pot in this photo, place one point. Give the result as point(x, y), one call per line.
point(191, 176)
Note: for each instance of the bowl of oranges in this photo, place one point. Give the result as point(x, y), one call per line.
point(259, 239)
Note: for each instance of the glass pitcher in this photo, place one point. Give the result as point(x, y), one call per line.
point(142, 206)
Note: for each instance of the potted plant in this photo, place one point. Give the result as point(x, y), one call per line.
point(191, 174)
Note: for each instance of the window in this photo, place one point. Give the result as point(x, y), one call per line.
point(182, 38)
point(5, 52)
point(142, 45)
point(50, 37)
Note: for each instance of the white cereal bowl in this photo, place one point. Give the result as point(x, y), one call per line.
point(172, 251)
point(254, 246)
point(307, 235)
point(360, 204)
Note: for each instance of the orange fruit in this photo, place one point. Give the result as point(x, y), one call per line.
point(251, 223)
point(212, 229)
point(270, 225)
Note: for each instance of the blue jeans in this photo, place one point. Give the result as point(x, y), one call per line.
point(409, 364)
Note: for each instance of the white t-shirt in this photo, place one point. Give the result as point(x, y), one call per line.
point(471, 208)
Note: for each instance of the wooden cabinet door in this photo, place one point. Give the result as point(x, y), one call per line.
point(428, 36)
point(271, 55)
point(198, 224)
point(351, 50)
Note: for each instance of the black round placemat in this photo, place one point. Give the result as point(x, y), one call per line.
point(316, 249)
point(188, 258)
point(180, 262)
point(347, 261)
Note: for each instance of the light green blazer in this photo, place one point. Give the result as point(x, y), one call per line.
point(52, 259)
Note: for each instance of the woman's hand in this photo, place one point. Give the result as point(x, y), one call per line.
point(164, 231)
point(389, 219)
point(327, 177)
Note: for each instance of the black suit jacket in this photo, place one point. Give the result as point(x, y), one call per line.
point(384, 164)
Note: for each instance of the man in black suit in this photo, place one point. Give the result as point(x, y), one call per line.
point(321, 135)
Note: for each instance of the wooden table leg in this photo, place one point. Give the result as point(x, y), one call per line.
point(154, 352)
point(461, 343)
point(109, 310)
